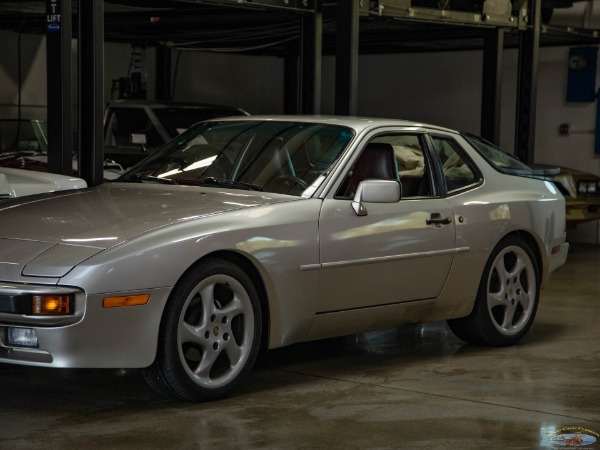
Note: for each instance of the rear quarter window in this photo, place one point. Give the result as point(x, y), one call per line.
point(459, 171)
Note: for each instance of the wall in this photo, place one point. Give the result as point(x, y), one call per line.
point(33, 73)
point(433, 87)
point(117, 58)
point(249, 82)
point(440, 88)
point(33, 76)
point(575, 150)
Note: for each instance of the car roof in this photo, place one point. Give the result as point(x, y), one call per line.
point(356, 122)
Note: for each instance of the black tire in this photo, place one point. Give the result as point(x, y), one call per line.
point(209, 334)
point(507, 298)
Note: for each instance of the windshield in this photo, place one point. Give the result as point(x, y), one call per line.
point(178, 119)
point(274, 156)
point(497, 157)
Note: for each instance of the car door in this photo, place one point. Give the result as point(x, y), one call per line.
point(396, 252)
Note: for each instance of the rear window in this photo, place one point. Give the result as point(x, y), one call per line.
point(501, 160)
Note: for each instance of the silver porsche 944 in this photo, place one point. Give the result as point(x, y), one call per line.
point(267, 231)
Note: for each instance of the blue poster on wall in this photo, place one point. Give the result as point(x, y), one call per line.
point(581, 84)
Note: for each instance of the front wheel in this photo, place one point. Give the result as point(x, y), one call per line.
point(507, 298)
point(209, 334)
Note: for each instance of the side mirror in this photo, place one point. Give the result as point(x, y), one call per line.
point(375, 191)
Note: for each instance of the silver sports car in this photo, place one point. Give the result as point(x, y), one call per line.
point(266, 231)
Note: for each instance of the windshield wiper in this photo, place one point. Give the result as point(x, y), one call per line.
point(230, 183)
point(142, 178)
point(208, 180)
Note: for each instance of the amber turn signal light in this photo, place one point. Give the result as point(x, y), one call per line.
point(127, 300)
point(52, 305)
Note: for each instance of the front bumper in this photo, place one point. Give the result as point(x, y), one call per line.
point(93, 337)
point(582, 210)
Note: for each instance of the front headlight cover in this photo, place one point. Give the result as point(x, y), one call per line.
point(59, 260)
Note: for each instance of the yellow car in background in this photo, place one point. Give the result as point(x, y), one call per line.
point(582, 195)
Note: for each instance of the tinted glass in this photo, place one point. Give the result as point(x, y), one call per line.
point(177, 120)
point(457, 169)
point(496, 156)
point(282, 157)
point(399, 157)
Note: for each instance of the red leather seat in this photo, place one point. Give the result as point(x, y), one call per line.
point(377, 161)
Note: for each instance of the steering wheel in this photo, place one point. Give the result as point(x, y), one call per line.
point(291, 181)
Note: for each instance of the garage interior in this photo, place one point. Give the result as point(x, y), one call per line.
point(494, 68)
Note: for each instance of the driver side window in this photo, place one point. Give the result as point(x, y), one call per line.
point(391, 157)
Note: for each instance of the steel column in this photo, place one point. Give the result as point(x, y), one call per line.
point(529, 44)
point(163, 75)
point(346, 58)
point(290, 84)
point(91, 90)
point(310, 61)
point(491, 95)
point(58, 78)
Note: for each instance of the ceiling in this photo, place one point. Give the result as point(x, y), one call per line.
point(273, 27)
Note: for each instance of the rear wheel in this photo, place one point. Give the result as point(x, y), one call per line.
point(209, 334)
point(507, 298)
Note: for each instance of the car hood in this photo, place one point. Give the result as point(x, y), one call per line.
point(47, 235)
point(114, 212)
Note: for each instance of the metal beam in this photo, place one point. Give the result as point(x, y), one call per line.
point(491, 92)
point(91, 90)
point(310, 61)
point(163, 74)
point(291, 5)
point(346, 58)
point(58, 78)
point(291, 103)
point(529, 43)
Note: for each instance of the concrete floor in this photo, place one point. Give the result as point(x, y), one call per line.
point(414, 387)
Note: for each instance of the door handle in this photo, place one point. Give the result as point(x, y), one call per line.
point(437, 219)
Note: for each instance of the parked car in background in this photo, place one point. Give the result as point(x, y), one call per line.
point(582, 195)
point(18, 183)
point(274, 230)
point(24, 145)
point(133, 129)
